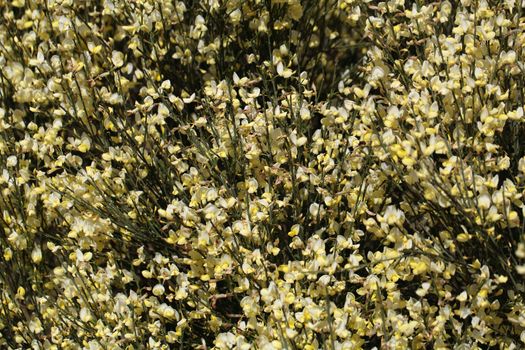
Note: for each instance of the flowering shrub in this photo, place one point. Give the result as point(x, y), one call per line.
point(281, 174)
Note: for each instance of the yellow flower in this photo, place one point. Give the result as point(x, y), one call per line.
point(295, 230)
point(36, 254)
point(295, 10)
point(117, 58)
point(158, 290)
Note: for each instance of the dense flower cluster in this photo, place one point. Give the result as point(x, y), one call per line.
point(280, 174)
